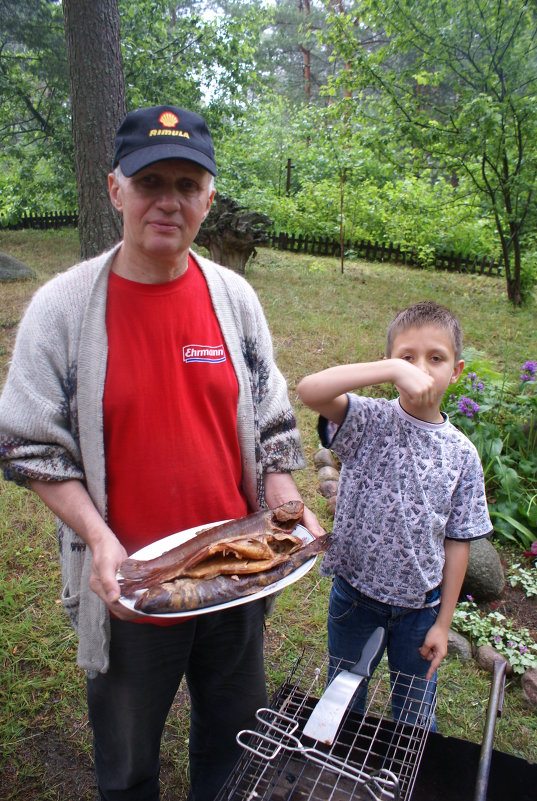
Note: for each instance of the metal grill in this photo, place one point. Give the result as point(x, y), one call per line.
point(373, 757)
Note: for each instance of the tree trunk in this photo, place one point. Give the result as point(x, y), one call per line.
point(513, 279)
point(230, 257)
point(97, 88)
point(337, 7)
point(304, 5)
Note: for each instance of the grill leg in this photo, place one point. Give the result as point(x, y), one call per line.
point(493, 711)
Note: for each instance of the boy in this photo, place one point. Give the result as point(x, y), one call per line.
point(411, 496)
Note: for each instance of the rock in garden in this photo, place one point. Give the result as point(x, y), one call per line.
point(484, 579)
point(328, 474)
point(529, 686)
point(459, 646)
point(486, 656)
point(328, 488)
point(332, 504)
point(324, 457)
point(12, 269)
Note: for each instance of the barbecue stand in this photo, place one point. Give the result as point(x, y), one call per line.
point(373, 757)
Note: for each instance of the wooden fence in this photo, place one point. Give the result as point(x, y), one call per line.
point(51, 219)
point(375, 251)
point(319, 246)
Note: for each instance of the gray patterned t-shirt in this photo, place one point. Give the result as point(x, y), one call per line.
point(404, 486)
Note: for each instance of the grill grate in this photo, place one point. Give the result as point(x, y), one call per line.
point(373, 758)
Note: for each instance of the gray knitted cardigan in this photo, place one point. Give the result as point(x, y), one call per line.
point(51, 424)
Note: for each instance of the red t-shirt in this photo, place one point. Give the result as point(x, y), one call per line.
point(170, 411)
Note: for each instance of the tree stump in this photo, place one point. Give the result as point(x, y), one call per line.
point(231, 232)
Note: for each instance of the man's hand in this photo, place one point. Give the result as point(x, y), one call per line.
point(108, 554)
point(309, 520)
point(280, 488)
point(69, 500)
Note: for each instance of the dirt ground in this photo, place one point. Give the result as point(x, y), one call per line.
point(516, 606)
point(66, 773)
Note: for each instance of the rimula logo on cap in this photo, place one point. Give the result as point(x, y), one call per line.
point(168, 120)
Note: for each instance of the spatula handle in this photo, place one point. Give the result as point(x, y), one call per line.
point(370, 651)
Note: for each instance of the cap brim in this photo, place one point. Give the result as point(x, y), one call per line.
point(134, 162)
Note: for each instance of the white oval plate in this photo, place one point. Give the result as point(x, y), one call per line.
point(167, 543)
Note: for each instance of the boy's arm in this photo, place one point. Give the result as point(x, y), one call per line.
point(326, 392)
point(434, 647)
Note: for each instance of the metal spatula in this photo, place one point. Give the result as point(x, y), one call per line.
point(324, 721)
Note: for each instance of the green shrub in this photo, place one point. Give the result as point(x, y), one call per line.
point(501, 420)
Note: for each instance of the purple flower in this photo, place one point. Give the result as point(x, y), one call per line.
point(470, 597)
point(467, 406)
point(497, 638)
point(510, 644)
point(476, 382)
point(529, 371)
point(523, 649)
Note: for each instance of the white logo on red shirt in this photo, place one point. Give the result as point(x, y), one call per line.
point(212, 354)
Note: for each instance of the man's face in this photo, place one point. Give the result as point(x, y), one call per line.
point(163, 207)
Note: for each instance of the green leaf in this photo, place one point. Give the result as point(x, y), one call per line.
point(524, 534)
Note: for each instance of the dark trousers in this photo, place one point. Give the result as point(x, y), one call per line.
point(221, 656)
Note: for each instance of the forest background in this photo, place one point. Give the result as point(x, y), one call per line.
point(397, 122)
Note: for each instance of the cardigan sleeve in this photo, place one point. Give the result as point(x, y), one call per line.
point(38, 417)
point(279, 438)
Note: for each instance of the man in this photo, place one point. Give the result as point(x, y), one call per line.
point(143, 399)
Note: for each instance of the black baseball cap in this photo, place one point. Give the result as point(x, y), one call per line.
point(162, 132)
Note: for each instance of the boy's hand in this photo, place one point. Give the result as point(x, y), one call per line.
point(434, 648)
point(415, 384)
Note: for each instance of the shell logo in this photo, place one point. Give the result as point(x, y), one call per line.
point(168, 119)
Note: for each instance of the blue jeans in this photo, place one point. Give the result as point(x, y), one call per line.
point(353, 617)
point(221, 656)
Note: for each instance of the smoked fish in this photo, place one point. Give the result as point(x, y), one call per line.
point(187, 594)
point(254, 543)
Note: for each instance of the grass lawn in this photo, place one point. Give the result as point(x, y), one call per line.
point(318, 317)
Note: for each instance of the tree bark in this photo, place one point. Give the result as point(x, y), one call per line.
point(97, 89)
point(304, 5)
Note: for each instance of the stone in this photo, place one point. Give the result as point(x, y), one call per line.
point(328, 474)
point(484, 579)
point(11, 269)
point(459, 646)
point(328, 488)
point(529, 686)
point(332, 504)
point(486, 655)
point(323, 457)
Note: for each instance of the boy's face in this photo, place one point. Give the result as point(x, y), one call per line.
point(429, 348)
